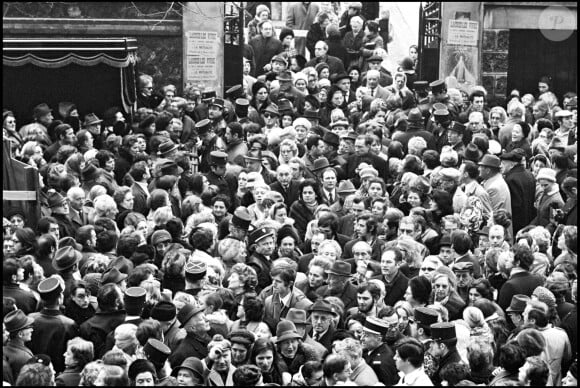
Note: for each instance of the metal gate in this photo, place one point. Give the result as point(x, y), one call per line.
point(429, 40)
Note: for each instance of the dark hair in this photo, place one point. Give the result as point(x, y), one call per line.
point(398, 253)
point(454, 373)
point(461, 241)
point(261, 345)
point(214, 300)
point(471, 169)
point(444, 201)
point(420, 289)
point(476, 93)
point(412, 352)
point(560, 161)
point(431, 159)
point(46, 243)
point(35, 375)
point(525, 128)
point(524, 256)
point(84, 234)
point(334, 363)
point(395, 150)
point(372, 288)
point(372, 26)
point(511, 357)
point(247, 376)
point(106, 241)
point(221, 197)
point(539, 317)
point(108, 297)
point(312, 141)
point(139, 274)
point(127, 244)
point(115, 357)
point(103, 156)
point(9, 267)
point(288, 275)
point(149, 328)
point(27, 238)
point(254, 309)
point(201, 238)
point(310, 367)
point(538, 372)
point(483, 287)
point(138, 170)
point(236, 129)
point(43, 225)
point(308, 183)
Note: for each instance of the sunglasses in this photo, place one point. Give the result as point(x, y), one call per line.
point(269, 115)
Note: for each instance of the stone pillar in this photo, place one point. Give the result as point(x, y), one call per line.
point(203, 45)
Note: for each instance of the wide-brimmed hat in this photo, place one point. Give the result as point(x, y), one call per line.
point(167, 167)
point(16, 320)
point(41, 110)
point(340, 268)
point(187, 312)
point(113, 275)
point(192, 364)
point(490, 161)
point(323, 306)
point(346, 187)
point(166, 147)
point(55, 199)
point(285, 75)
point(563, 113)
point(518, 303)
point(350, 136)
point(297, 316)
point(286, 330)
point(320, 164)
point(331, 138)
point(91, 119)
point(69, 242)
point(311, 114)
point(285, 107)
point(65, 258)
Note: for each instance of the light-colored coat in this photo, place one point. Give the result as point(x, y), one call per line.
point(499, 193)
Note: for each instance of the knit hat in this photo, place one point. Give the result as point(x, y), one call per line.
point(160, 236)
point(285, 32)
point(261, 8)
point(547, 174)
point(140, 366)
point(164, 311)
point(125, 335)
point(545, 295)
point(302, 122)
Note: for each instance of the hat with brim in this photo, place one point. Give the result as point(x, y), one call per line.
point(156, 351)
point(167, 167)
point(113, 275)
point(166, 147)
point(203, 126)
point(375, 58)
point(339, 123)
point(322, 306)
point(340, 268)
point(420, 86)
point(490, 161)
point(91, 119)
point(297, 316)
point(284, 76)
point(242, 218)
point(518, 303)
point(65, 258)
point(70, 242)
point(272, 109)
point(350, 136)
point(331, 138)
point(425, 316)
point(16, 320)
point(286, 330)
point(207, 95)
point(234, 92)
point(187, 312)
point(472, 153)
point(340, 76)
point(219, 102)
point(243, 336)
point(443, 331)
point(320, 164)
point(192, 364)
point(218, 158)
point(375, 326)
point(346, 187)
point(457, 127)
point(311, 114)
point(260, 234)
point(255, 156)
point(563, 113)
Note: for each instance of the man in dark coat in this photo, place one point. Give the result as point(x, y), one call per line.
point(444, 347)
point(141, 175)
point(285, 185)
point(265, 46)
point(394, 280)
point(262, 244)
point(415, 128)
point(363, 155)
point(52, 329)
point(520, 281)
point(323, 329)
point(198, 335)
point(335, 65)
point(24, 299)
point(522, 185)
point(110, 314)
point(339, 285)
point(317, 32)
point(376, 352)
point(15, 352)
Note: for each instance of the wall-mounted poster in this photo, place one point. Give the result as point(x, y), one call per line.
point(461, 65)
point(463, 32)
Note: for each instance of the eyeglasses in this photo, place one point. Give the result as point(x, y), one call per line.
point(149, 88)
point(428, 269)
point(268, 115)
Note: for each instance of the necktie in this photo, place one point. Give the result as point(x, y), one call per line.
point(315, 337)
point(330, 197)
point(372, 92)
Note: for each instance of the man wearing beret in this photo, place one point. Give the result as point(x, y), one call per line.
point(52, 329)
point(522, 186)
point(444, 347)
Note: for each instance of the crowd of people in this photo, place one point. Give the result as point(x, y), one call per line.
point(325, 222)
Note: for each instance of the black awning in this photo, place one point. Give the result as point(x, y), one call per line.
point(55, 53)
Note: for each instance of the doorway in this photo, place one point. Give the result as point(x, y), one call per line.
point(532, 56)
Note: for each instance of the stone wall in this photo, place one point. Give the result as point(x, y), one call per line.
point(494, 60)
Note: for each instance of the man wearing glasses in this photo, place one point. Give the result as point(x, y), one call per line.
point(321, 313)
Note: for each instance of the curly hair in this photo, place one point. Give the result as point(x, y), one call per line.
point(253, 309)
point(247, 275)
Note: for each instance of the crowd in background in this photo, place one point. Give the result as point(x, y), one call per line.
point(330, 221)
